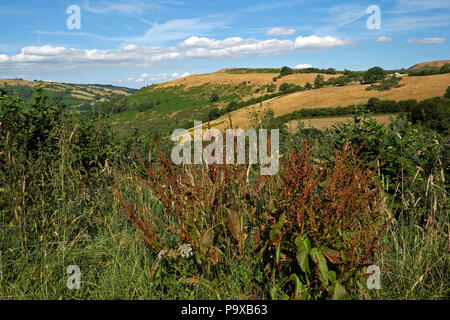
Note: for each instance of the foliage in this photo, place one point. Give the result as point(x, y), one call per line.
point(334, 215)
point(386, 84)
point(319, 82)
point(58, 208)
point(447, 93)
point(373, 75)
point(286, 71)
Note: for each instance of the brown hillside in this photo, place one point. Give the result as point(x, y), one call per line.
point(258, 79)
point(438, 64)
point(418, 88)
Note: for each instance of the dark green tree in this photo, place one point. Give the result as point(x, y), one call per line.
point(374, 74)
point(286, 71)
point(447, 93)
point(319, 82)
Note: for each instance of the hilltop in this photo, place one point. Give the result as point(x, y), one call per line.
point(430, 64)
point(78, 96)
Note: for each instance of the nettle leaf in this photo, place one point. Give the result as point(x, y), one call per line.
point(275, 231)
point(303, 249)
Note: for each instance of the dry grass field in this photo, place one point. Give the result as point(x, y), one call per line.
point(418, 88)
point(259, 79)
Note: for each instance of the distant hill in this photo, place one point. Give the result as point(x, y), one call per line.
point(237, 91)
point(430, 64)
point(78, 96)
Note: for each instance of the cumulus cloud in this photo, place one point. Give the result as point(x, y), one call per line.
point(280, 32)
point(427, 41)
point(383, 39)
point(318, 43)
point(303, 66)
point(132, 55)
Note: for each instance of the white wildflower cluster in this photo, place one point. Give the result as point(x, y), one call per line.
point(186, 250)
point(161, 254)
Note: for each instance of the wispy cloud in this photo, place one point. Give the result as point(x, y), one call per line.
point(410, 23)
point(170, 30)
point(383, 39)
point(273, 5)
point(131, 7)
point(279, 31)
point(410, 6)
point(161, 77)
point(427, 41)
point(344, 14)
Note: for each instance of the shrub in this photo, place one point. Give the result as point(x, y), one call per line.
point(284, 86)
point(434, 113)
point(319, 82)
point(214, 97)
point(386, 84)
point(286, 71)
point(373, 75)
point(447, 93)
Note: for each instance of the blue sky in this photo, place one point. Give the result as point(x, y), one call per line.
point(138, 42)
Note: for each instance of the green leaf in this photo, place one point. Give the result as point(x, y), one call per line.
point(275, 231)
point(277, 254)
point(319, 259)
point(339, 292)
point(303, 248)
point(301, 292)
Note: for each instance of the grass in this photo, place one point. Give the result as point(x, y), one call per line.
point(55, 213)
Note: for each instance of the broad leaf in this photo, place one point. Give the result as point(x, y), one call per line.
point(303, 248)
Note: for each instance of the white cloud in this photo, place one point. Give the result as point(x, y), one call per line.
point(237, 47)
point(162, 77)
point(318, 43)
point(280, 32)
point(132, 55)
point(196, 42)
point(383, 39)
point(303, 66)
point(130, 47)
point(427, 41)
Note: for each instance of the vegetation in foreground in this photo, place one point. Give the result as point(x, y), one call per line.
point(140, 228)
